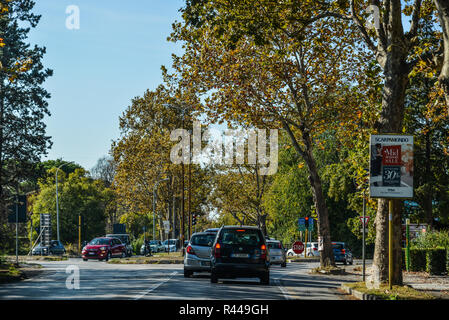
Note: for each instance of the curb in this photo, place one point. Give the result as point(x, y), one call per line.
point(359, 295)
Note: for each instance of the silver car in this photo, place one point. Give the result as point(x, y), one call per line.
point(197, 257)
point(276, 252)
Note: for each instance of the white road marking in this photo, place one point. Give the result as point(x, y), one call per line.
point(141, 295)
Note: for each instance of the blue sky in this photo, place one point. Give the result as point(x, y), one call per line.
point(114, 56)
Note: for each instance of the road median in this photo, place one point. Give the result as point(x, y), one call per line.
point(172, 258)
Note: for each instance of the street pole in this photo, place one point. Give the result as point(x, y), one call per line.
point(57, 201)
point(189, 200)
point(57, 206)
point(154, 205)
point(407, 244)
point(390, 243)
point(17, 229)
point(182, 207)
point(363, 241)
point(79, 233)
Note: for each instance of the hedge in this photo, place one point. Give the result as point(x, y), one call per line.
point(436, 261)
point(418, 259)
point(431, 260)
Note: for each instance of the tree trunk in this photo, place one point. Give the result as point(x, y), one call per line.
point(428, 182)
point(443, 13)
point(392, 115)
point(323, 227)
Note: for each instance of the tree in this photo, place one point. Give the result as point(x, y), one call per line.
point(256, 66)
point(397, 53)
point(23, 100)
point(104, 170)
point(442, 7)
point(79, 195)
point(239, 191)
point(142, 157)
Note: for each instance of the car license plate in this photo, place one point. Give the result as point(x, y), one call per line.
point(91, 253)
point(240, 255)
point(205, 263)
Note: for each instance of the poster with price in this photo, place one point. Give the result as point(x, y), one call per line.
point(391, 166)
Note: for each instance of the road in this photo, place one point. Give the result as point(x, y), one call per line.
point(103, 281)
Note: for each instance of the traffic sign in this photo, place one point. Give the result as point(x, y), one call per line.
point(298, 247)
point(301, 224)
point(364, 220)
point(311, 224)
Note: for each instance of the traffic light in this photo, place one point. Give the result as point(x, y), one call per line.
point(193, 219)
point(306, 222)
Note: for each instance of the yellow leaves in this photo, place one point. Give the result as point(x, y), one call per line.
point(300, 165)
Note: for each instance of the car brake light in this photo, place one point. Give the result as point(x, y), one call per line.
point(315, 249)
point(263, 254)
point(343, 251)
point(217, 250)
point(241, 230)
point(190, 250)
point(279, 245)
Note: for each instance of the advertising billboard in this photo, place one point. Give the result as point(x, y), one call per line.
point(391, 166)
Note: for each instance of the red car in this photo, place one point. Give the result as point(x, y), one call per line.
point(104, 248)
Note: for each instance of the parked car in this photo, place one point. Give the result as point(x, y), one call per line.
point(56, 247)
point(240, 251)
point(156, 246)
point(197, 257)
point(312, 251)
point(276, 252)
point(171, 245)
point(342, 253)
point(40, 250)
point(124, 238)
point(104, 248)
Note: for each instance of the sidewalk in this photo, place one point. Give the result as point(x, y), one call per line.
point(437, 286)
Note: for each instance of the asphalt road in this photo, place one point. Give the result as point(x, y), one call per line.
point(103, 281)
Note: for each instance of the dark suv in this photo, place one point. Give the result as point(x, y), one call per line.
point(342, 253)
point(240, 251)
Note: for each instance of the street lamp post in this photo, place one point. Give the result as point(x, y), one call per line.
point(57, 201)
point(183, 111)
point(154, 204)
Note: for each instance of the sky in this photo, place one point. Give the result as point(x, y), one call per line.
point(114, 56)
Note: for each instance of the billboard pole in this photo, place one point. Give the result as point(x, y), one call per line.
point(390, 243)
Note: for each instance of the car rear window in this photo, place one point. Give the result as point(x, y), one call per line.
point(274, 245)
point(202, 240)
point(242, 236)
point(337, 245)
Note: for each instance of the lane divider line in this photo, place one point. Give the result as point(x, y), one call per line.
point(140, 296)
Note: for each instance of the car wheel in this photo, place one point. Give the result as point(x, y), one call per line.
point(187, 273)
point(124, 255)
point(84, 259)
point(345, 262)
point(108, 256)
point(265, 278)
point(283, 265)
point(213, 278)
